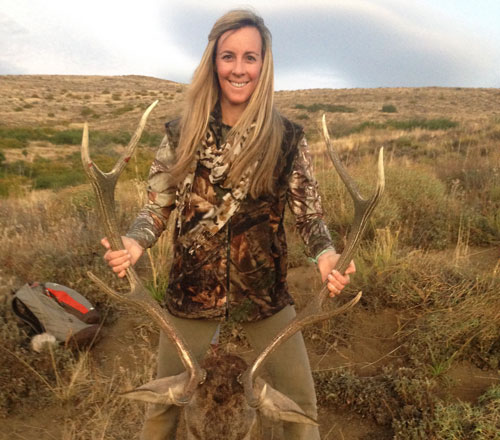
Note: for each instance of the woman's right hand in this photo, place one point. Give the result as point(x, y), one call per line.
point(120, 260)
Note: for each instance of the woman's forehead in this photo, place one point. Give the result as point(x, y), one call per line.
point(247, 37)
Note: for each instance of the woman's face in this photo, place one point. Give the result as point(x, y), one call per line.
point(238, 63)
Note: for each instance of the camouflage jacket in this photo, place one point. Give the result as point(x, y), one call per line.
point(241, 271)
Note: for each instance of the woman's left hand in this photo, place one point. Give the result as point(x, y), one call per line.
point(336, 281)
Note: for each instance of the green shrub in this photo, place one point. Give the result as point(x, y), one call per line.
point(69, 137)
point(12, 143)
point(405, 395)
point(47, 174)
point(12, 185)
point(410, 407)
point(415, 203)
point(424, 209)
point(389, 108)
point(122, 110)
point(25, 134)
point(151, 139)
point(407, 125)
point(85, 111)
point(331, 108)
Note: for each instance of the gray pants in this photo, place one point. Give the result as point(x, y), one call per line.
point(288, 368)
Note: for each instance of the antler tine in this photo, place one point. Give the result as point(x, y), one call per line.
point(104, 183)
point(138, 297)
point(363, 208)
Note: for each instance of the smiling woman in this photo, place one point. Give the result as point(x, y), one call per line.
point(238, 64)
point(228, 167)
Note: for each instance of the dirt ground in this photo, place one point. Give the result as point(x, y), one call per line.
point(369, 344)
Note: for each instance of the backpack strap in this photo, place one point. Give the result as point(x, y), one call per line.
point(26, 315)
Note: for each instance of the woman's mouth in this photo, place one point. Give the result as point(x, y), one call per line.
point(238, 84)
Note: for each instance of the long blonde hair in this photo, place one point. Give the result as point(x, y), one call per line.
point(264, 141)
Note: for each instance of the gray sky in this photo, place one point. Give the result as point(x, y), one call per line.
point(316, 43)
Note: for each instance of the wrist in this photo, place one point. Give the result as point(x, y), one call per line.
point(323, 252)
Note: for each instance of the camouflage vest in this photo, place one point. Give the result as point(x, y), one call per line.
point(240, 272)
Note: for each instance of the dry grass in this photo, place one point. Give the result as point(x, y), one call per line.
point(420, 267)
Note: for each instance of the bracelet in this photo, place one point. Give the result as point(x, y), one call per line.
point(315, 260)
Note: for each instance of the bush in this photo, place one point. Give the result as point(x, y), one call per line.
point(415, 203)
point(12, 143)
point(423, 207)
point(407, 125)
point(47, 174)
point(19, 137)
point(389, 108)
point(122, 110)
point(67, 137)
point(85, 111)
point(409, 407)
point(11, 185)
point(326, 108)
point(24, 134)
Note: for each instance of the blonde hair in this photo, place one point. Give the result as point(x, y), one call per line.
point(263, 144)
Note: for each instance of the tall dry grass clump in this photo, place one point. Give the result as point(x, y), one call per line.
point(48, 236)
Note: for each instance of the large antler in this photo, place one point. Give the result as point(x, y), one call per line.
point(314, 312)
point(139, 297)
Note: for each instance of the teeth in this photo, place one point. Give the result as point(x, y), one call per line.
point(235, 84)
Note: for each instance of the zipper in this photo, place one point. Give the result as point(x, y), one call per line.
point(228, 266)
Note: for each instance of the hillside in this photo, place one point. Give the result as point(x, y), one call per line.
point(419, 356)
point(112, 103)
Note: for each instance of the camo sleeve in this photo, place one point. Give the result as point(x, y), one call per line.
point(152, 219)
point(305, 203)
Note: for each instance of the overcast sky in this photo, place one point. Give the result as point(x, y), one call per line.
point(316, 43)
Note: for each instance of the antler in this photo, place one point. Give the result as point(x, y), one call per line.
point(314, 312)
point(139, 297)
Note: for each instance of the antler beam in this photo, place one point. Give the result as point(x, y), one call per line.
point(363, 208)
point(104, 187)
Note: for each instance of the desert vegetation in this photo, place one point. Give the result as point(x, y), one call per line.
point(418, 358)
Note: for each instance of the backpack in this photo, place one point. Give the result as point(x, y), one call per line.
point(58, 310)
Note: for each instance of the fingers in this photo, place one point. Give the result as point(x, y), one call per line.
point(337, 282)
point(118, 261)
point(122, 259)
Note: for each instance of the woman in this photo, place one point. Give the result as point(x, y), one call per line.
point(228, 167)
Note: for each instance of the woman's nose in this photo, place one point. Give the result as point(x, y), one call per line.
point(239, 67)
